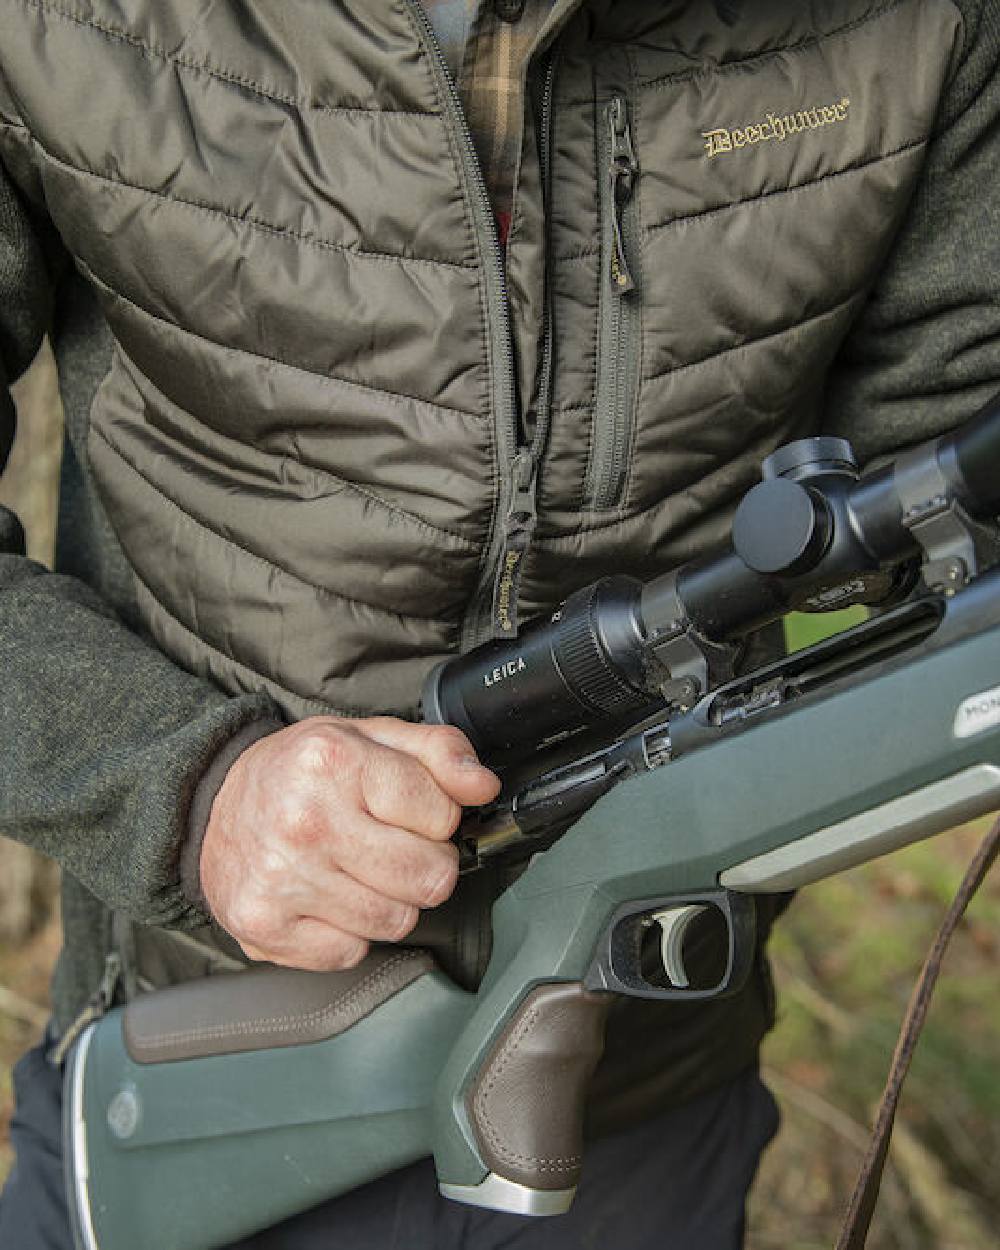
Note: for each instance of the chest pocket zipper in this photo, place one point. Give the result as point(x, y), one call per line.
point(618, 338)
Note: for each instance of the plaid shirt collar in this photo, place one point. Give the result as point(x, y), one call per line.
point(487, 55)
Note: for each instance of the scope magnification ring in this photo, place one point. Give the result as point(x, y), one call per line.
point(582, 661)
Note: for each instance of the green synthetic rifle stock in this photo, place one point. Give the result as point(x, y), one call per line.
point(665, 791)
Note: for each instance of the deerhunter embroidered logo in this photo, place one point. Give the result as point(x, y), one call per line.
point(774, 126)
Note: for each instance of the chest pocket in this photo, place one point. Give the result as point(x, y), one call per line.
point(746, 198)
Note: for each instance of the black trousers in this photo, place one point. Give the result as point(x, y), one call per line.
point(677, 1182)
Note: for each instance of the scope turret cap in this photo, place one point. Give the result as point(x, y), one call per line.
point(780, 528)
point(809, 457)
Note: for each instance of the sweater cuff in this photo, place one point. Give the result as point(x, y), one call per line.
point(203, 798)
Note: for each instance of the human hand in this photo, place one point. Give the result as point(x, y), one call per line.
point(332, 833)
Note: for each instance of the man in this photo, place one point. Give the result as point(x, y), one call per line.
point(337, 408)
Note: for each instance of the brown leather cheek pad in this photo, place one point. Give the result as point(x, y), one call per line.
point(527, 1103)
point(265, 1007)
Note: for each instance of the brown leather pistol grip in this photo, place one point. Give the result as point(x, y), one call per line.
point(526, 1104)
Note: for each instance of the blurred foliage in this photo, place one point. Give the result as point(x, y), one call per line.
point(845, 959)
point(804, 628)
point(846, 956)
point(29, 483)
point(29, 931)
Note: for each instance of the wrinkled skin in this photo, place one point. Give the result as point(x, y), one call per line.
point(334, 833)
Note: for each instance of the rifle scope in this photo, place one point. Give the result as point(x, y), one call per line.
point(814, 534)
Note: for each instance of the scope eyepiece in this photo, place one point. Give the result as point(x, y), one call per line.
point(579, 667)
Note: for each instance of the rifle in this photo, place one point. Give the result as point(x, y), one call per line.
point(651, 790)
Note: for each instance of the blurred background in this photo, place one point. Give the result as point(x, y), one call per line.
point(845, 958)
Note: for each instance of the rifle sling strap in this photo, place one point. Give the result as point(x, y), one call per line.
point(854, 1232)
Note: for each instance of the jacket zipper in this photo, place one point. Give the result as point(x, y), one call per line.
point(545, 160)
point(522, 513)
point(513, 515)
point(618, 316)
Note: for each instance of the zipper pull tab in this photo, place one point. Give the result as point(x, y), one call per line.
point(521, 517)
point(104, 995)
point(96, 1006)
point(622, 170)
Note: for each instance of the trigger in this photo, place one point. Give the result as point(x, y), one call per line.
point(674, 923)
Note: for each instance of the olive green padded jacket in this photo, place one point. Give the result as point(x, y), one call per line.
point(320, 435)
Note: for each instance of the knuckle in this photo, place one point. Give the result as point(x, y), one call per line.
point(317, 963)
point(453, 819)
point(442, 819)
point(272, 863)
point(401, 922)
point(384, 770)
point(252, 920)
point(383, 724)
point(332, 952)
point(322, 750)
point(449, 742)
point(395, 787)
point(369, 912)
point(437, 882)
point(349, 952)
point(307, 960)
point(411, 794)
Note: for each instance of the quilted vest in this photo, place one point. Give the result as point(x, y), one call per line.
point(341, 436)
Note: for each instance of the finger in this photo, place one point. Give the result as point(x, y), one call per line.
point(313, 946)
point(343, 902)
point(445, 752)
point(279, 888)
point(395, 862)
point(397, 789)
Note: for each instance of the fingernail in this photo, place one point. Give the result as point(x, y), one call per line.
point(469, 761)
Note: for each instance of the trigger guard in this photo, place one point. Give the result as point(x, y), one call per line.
point(616, 965)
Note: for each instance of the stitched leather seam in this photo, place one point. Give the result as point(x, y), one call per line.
point(543, 1163)
point(396, 397)
point(253, 556)
point(255, 224)
point(773, 54)
point(116, 34)
point(283, 1024)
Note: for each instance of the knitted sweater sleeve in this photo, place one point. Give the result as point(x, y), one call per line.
point(925, 353)
point(103, 740)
